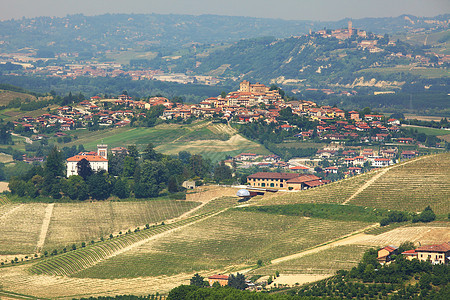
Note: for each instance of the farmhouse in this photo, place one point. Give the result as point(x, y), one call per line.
point(97, 160)
point(270, 180)
point(221, 279)
point(384, 255)
point(292, 181)
point(436, 254)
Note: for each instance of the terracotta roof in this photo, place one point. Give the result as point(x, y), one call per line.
point(273, 175)
point(445, 247)
point(222, 277)
point(314, 183)
point(303, 178)
point(410, 252)
point(87, 157)
point(390, 248)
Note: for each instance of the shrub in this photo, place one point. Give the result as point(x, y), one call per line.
point(74, 247)
point(427, 215)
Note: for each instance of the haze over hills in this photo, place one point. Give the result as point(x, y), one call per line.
point(123, 31)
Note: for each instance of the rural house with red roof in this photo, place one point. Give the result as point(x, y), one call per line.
point(436, 254)
point(384, 255)
point(221, 279)
point(97, 160)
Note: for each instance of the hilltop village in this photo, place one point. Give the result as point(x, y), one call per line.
point(352, 142)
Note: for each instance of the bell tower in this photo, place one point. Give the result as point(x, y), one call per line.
point(102, 151)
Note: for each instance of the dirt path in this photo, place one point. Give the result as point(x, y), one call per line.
point(374, 178)
point(352, 238)
point(10, 212)
point(27, 139)
point(44, 228)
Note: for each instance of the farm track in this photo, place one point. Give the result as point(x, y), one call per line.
point(44, 228)
point(377, 176)
point(12, 210)
point(75, 261)
point(352, 238)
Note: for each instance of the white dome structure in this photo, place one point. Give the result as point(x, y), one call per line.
point(243, 193)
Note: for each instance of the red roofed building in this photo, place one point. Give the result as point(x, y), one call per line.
point(221, 279)
point(97, 160)
point(436, 254)
point(270, 179)
point(384, 255)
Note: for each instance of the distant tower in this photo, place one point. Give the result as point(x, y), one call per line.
point(102, 150)
point(244, 86)
point(350, 29)
point(310, 31)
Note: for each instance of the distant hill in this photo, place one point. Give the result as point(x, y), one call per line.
point(89, 34)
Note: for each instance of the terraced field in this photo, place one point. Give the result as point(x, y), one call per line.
point(229, 241)
point(336, 192)
point(100, 219)
point(20, 227)
point(324, 262)
point(75, 261)
point(412, 186)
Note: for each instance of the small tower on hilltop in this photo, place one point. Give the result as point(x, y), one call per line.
point(102, 151)
point(350, 28)
point(244, 86)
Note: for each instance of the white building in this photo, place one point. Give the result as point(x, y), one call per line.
point(381, 162)
point(97, 160)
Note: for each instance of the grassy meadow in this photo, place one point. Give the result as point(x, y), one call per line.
point(214, 141)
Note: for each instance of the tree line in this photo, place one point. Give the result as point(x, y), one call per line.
point(140, 175)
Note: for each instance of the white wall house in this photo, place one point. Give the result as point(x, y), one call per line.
point(97, 160)
point(381, 162)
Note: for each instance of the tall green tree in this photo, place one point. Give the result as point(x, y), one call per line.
point(84, 168)
point(150, 153)
point(53, 172)
point(222, 172)
point(198, 281)
point(99, 186)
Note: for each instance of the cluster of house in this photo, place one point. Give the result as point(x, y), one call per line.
point(436, 254)
point(348, 161)
point(253, 102)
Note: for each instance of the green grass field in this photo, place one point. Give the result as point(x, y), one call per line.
point(214, 141)
point(429, 131)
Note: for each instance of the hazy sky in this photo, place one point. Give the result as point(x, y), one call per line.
point(320, 10)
